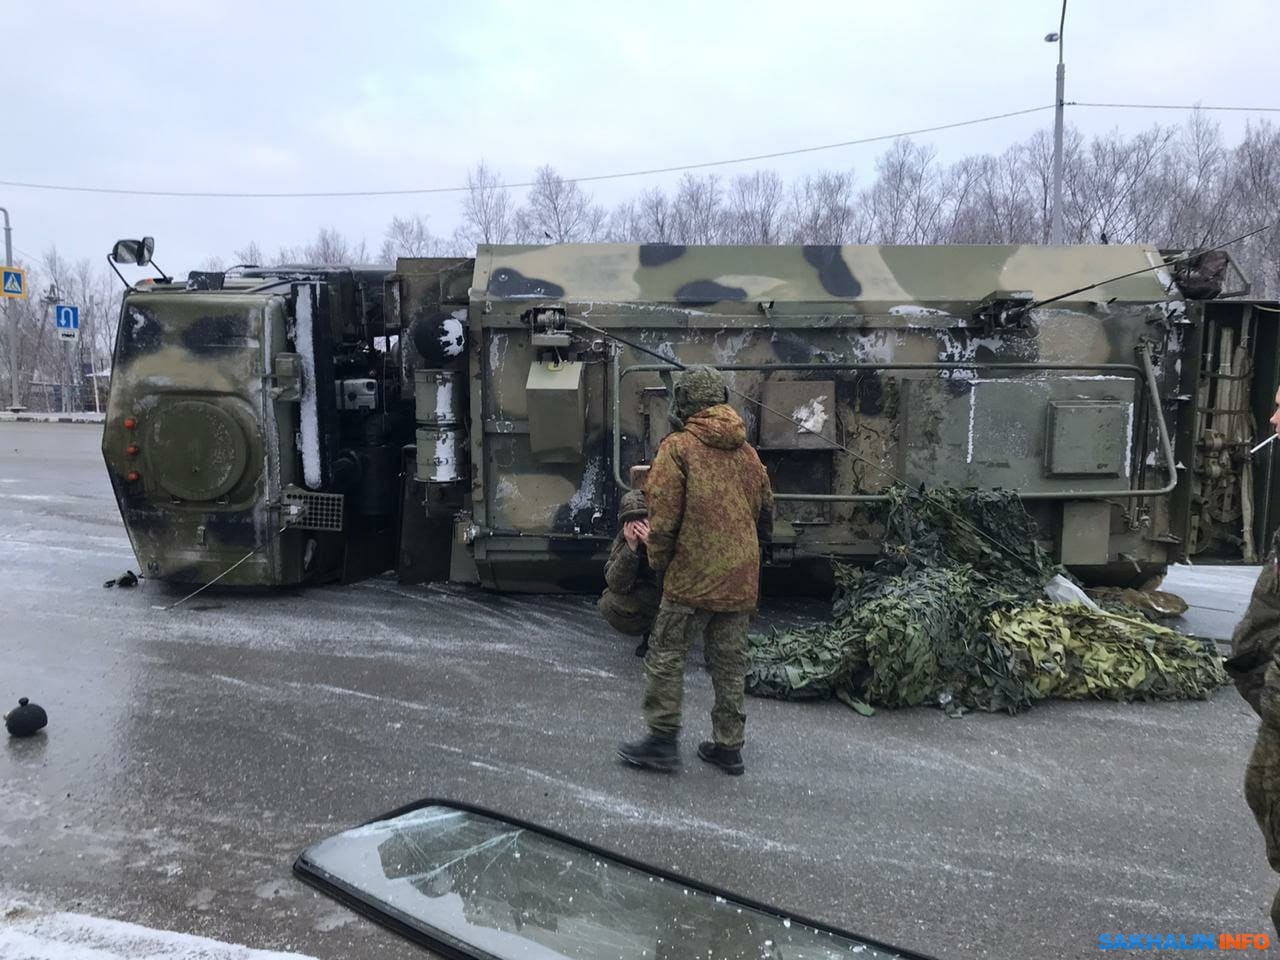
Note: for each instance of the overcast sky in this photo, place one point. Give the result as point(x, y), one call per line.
point(276, 96)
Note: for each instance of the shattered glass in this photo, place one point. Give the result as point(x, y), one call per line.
point(489, 888)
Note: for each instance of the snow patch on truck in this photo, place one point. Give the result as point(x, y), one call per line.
point(811, 416)
point(727, 346)
point(586, 494)
point(453, 336)
point(913, 310)
point(878, 347)
point(309, 427)
point(497, 350)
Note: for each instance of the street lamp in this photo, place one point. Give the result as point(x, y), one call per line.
point(92, 318)
point(51, 298)
point(14, 405)
point(1055, 220)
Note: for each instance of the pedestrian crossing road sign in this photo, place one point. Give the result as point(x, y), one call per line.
point(67, 319)
point(13, 283)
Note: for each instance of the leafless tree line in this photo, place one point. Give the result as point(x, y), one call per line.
point(56, 374)
point(1176, 186)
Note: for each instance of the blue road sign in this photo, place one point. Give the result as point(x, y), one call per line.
point(13, 283)
point(67, 319)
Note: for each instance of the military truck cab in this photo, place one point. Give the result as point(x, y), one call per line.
point(255, 428)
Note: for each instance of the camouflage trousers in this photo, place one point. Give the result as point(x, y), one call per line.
point(725, 639)
point(1262, 792)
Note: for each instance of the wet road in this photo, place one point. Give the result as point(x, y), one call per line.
point(192, 754)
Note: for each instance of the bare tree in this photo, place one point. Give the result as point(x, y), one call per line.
point(597, 225)
point(697, 212)
point(55, 373)
point(908, 199)
point(1193, 187)
point(411, 237)
point(991, 200)
point(623, 225)
point(250, 254)
point(486, 210)
point(558, 210)
point(656, 217)
point(755, 208)
point(1099, 189)
point(329, 247)
point(1255, 191)
point(821, 209)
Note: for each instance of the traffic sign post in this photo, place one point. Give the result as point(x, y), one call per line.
point(67, 320)
point(13, 283)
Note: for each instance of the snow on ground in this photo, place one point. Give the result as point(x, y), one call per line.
point(28, 933)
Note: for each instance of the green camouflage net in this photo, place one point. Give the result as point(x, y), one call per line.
point(954, 614)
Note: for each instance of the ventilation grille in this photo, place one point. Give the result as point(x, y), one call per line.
point(313, 511)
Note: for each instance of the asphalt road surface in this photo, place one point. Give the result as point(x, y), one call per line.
point(191, 755)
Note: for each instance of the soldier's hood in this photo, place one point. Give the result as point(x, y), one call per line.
point(718, 426)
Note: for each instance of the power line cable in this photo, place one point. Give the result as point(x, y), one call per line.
point(595, 178)
point(223, 195)
point(1169, 106)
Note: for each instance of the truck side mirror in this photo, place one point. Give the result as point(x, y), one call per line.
point(134, 251)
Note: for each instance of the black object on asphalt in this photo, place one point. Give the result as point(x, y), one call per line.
point(126, 579)
point(26, 719)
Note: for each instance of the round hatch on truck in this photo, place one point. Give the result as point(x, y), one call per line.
point(197, 450)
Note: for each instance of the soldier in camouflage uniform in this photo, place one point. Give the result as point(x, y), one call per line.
point(710, 504)
point(1255, 668)
point(630, 599)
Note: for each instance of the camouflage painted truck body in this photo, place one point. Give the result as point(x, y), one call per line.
point(852, 366)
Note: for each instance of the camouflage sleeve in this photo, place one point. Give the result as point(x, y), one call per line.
point(621, 568)
point(1256, 640)
point(664, 491)
point(764, 523)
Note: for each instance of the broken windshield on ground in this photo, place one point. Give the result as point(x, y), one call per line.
point(472, 883)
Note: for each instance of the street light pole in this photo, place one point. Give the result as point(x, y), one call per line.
point(1055, 222)
point(93, 337)
point(12, 319)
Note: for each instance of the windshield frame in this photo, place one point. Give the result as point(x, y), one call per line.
point(414, 930)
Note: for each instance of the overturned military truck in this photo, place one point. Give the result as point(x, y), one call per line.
point(475, 419)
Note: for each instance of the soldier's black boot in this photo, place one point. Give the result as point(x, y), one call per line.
point(654, 752)
point(643, 647)
point(728, 760)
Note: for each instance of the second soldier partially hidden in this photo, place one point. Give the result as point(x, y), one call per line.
point(710, 505)
point(630, 599)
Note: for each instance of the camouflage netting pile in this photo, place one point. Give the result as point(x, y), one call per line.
point(955, 614)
